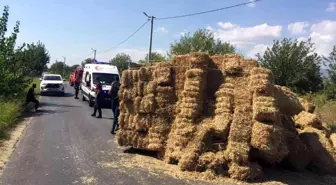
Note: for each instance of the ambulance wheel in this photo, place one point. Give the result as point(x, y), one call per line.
point(83, 98)
point(91, 104)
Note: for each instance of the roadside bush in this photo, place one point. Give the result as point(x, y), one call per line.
point(9, 115)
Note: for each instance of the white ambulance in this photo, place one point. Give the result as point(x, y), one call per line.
point(106, 74)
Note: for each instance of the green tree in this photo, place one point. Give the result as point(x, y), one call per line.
point(14, 66)
point(294, 64)
point(201, 41)
point(38, 55)
point(58, 68)
point(156, 57)
point(121, 60)
point(86, 61)
point(330, 82)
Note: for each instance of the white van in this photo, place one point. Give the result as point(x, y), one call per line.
point(106, 74)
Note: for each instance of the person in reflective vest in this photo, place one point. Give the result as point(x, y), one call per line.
point(77, 82)
point(98, 100)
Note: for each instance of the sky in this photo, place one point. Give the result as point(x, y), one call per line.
point(70, 28)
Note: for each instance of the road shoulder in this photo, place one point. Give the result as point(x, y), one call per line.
point(8, 146)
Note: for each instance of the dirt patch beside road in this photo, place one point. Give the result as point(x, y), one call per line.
point(7, 147)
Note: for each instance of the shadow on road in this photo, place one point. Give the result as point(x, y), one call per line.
point(56, 105)
point(141, 152)
point(57, 95)
point(42, 112)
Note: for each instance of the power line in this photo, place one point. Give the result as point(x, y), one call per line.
point(127, 37)
point(209, 11)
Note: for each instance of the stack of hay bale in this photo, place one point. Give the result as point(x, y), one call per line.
point(221, 115)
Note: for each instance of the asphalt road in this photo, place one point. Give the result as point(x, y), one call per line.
point(65, 145)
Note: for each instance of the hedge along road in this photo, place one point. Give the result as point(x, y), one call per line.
point(65, 145)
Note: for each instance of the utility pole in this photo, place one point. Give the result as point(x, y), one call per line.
point(151, 18)
point(64, 67)
point(94, 53)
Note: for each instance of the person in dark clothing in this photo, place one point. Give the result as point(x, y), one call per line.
point(77, 81)
point(114, 93)
point(115, 103)
point(115, 119)
point(99, 96)
point(31, 97)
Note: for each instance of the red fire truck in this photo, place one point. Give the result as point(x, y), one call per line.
point(77, 74)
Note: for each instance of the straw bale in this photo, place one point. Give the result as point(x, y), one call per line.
point(222, 123)
point(193, 83)
point(262, 87)
point(148, 104)
point(219, 163)
point(141, 86)
point(199, 60)
point(224, 103)
point(305, 119)
point(165, 90)
point(163, 75)
point(127, 94)
point(142, 122)
point(232, 64)
point(269, 141)
point(204, 161)
point(195, 74)
point(134, 90)
point(264, 76)
point(126, 106)
point(191, 89)
point(247, 172)
point(309, 107)
point(151, 88)
point(217, 62)
point(248, 64)
point(200, 143)
point(158, 134)
point(297, 156)
point(241, 127)
point(145, 74)
point(193, 60)
point(121, 138)
point(261, 113)
point(190, 112)
point(320, 149)
point(217, 115)
point(125, 80)
point(333, 139)
point(135, 75)
point(142, 142)
point(287, 101)
point(191, 94)
point(192, 100)
point(122, 120)
point(238, 152)
point(225, 90)
point(130, 122)
point(261, 70)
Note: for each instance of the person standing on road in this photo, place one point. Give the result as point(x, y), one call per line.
point(31, 97)
point(97, 106)
point(114, 92)
point(115, 103)
point(77, 82)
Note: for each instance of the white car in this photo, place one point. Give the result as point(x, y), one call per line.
point(52, 83)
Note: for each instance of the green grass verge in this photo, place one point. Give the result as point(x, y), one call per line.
point(12, 109)
point(325, 109)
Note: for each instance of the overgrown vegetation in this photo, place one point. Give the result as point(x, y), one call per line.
point(296, 65)
point(17, 67)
